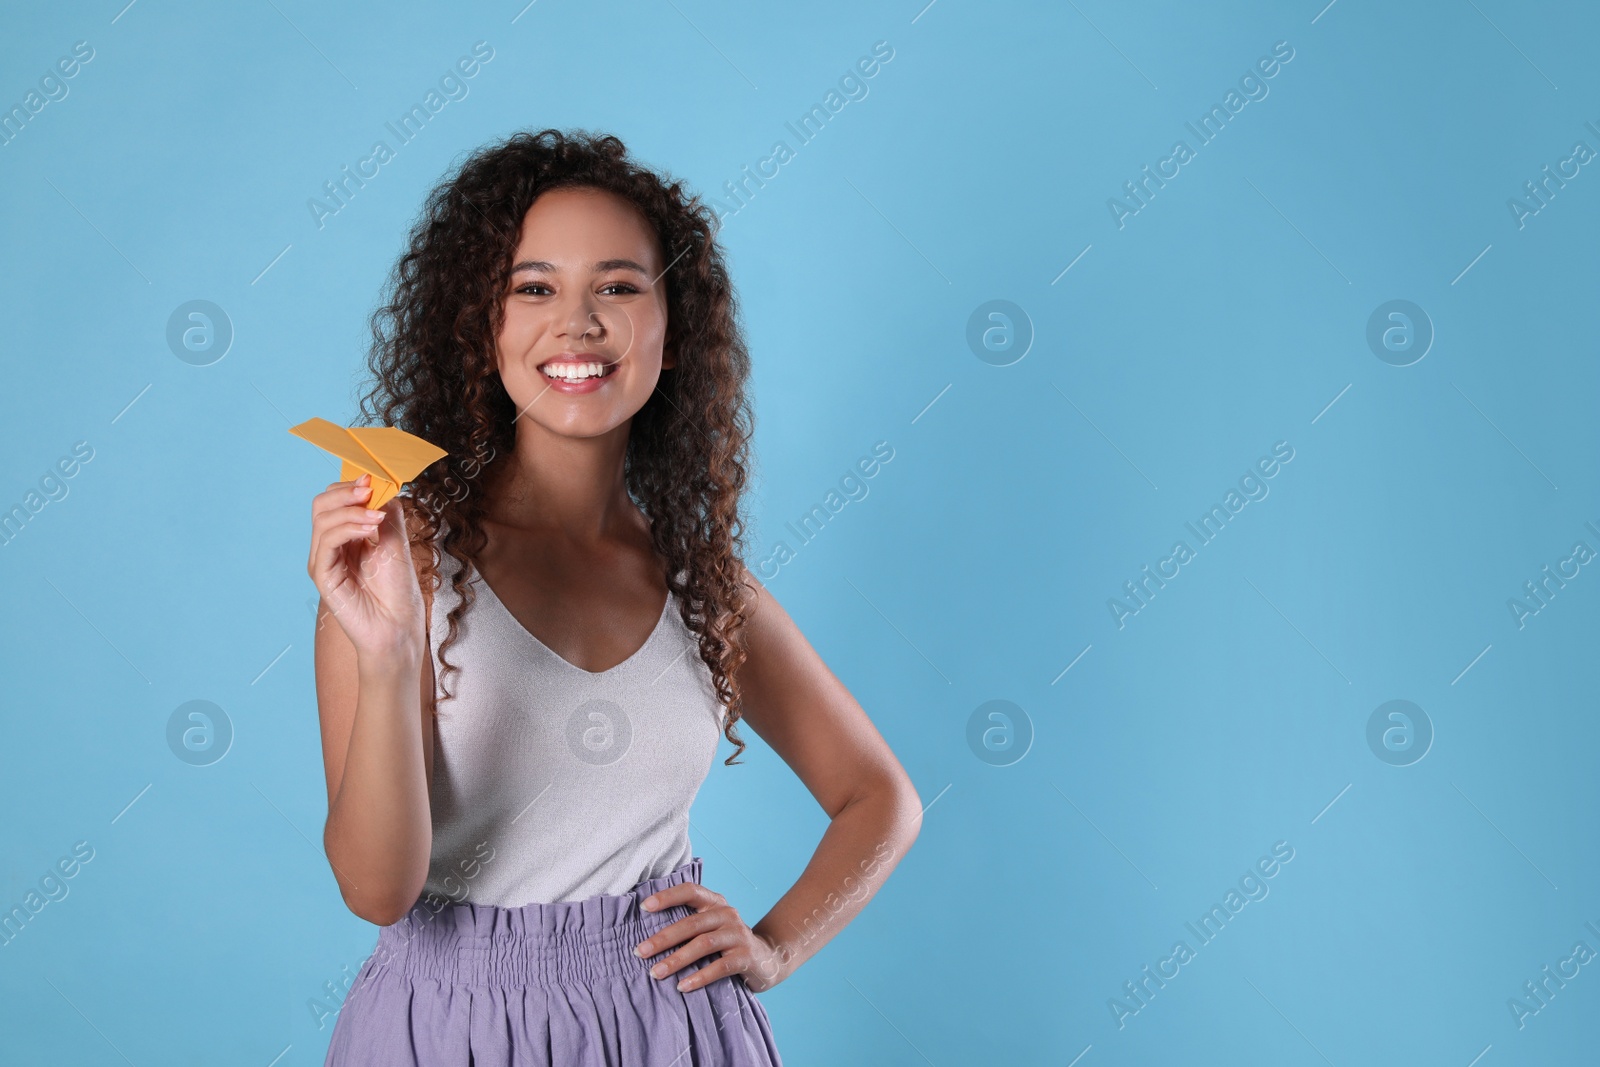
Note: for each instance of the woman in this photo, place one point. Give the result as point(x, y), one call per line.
point(537, 650)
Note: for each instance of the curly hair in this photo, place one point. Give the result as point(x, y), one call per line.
point(433, 361)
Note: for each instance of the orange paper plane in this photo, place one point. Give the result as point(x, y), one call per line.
point(393, 457)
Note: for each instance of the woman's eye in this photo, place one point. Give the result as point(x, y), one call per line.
point(621, 287)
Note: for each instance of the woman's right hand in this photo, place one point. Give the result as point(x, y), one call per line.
point(361, 564)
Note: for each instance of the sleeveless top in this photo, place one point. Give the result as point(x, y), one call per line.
point(553, 783)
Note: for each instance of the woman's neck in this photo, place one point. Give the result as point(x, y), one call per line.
point(571, 486)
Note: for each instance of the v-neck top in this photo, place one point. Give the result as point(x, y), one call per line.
point(487, 592)
point(554, 783)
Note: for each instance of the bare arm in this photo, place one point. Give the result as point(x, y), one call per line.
point(810, 719)
point(375, 699)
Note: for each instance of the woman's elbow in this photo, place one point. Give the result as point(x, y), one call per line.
point(903, 807)
point(911, 804)
point(377, 911)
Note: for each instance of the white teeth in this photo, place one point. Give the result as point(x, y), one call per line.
point(574, 372)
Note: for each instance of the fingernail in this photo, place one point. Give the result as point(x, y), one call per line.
point(649, 904)
point(374, 516)
point(638, 950)
point(683, 985)
point(659, 970)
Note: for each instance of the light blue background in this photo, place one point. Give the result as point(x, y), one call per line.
point(1229, 314)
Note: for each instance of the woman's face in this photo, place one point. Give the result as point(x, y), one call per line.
point(584, 293)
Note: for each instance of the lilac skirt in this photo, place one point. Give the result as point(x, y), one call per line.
point(558, 985)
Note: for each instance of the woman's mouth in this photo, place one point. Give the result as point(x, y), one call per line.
point(575, 376)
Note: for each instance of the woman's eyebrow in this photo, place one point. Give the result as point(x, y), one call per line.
point(599, 268)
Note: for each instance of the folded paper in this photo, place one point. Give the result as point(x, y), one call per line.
point(393, 457)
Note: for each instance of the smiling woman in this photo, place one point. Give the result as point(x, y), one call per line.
point(622, 313)
point(547, 665)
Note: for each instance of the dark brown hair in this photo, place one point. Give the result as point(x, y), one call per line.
point(433, 360)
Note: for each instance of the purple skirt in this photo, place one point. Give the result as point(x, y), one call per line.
point(558, 985)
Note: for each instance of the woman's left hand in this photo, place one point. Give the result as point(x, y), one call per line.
point(715, 927)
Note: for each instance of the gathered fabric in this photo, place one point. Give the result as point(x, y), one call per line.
point(543, 985)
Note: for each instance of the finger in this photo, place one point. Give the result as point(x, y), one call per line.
point(338, 495)
point(325, 524)
point(329, 543)
point(691, 893)
point(349, 512)
point(719, 924)
point(677, 933)
point(328, 511)
point(389, 516)
point(702, 946)
point(720, 968)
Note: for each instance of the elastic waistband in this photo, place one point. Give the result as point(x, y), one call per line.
point(536, 944)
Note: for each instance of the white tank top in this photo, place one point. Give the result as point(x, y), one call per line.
point(553, 783)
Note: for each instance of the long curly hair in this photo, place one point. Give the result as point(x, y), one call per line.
point(434, 370)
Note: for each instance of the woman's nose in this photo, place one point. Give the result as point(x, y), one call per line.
point(583, 317)
point(588, 319)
